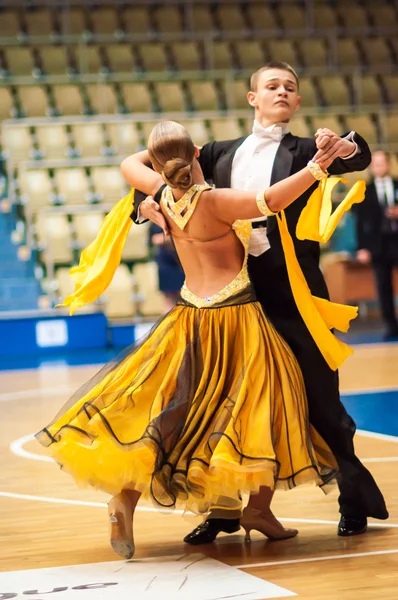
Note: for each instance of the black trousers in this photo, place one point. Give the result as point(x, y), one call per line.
point(383, 265)
point(359, 494)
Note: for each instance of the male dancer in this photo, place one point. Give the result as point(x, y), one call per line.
point(268, 155)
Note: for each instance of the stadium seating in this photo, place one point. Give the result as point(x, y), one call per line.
point(85, 85)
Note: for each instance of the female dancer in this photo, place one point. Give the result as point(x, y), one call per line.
point(211, 405)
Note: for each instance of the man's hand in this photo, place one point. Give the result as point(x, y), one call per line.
point(331, 146)
point(392, 212)
point(150, 209)
point(363, 256)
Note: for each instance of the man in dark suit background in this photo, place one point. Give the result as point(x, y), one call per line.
point(377, 236)
point(268, 155)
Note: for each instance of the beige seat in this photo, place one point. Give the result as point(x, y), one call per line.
point(109, 183)
point(236, 93)
point(87, 226)
point(231, 17)
point(282, 50)
point(17, 143)
point(364, 126)
point(9, 23)
point(197, 130)
point(6, 103)
point(383, 13)
point(390, 122)
point(251, 54)
point(102, 98)
point(104, 19)
point(168, 18)
point(330, 122)
point(68, 99)
point(325, 17)
point(36, 187)
point(54, 59)
point(377, 52)
point(151, 299)
point(137, 97)
point(54, 236)
point(186, 56)
point(39, 21)
point(53, 141)
point(202, 19)
point(218, 55)
point(73, 20)
point(119, 298)
point(292, 16)
point(204, 95)
point(34, 100)
point(65, 283)
point(136, 19)
point(88, 58)
point(171, 96)
point(146, 128)
point(369, 90)
point(394, 165)
point(120, 57)
point(225, 129)
point(314, 53)
point(19, 60)
point(353, 15)
point(391, 85)
point(308, 93)
point(72, 184)
point(262, 17)
point(89, 139)
point(136, 246)
point(124, 137)
point(153, 57)
point(347, 53)
point(335, 91)
point(298, 126)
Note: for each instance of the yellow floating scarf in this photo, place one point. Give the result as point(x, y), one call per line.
point(99, 261)
point(317, 223)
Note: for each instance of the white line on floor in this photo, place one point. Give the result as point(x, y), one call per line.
point(60, 390)
point(157, 510)
point(378, 436)
point(316, 559)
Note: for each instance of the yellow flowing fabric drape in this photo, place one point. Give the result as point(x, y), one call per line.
point(99, 261)
point(317, 223)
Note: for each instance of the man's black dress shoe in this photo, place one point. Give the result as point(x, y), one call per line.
point(207, 532)
point(352, 526)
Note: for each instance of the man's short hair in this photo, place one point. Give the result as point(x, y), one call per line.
point(273, 64)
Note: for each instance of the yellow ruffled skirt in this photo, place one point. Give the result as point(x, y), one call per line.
point(211, 405)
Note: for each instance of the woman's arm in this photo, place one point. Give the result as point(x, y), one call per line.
point(231, 205)
point(138, 173)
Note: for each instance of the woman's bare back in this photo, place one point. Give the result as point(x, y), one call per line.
point(210, 252)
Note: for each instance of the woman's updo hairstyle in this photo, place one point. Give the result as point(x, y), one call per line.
point(172, 152)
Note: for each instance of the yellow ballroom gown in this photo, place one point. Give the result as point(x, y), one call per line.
point(209, 406)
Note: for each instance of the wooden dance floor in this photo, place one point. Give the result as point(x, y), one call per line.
point(54, 538)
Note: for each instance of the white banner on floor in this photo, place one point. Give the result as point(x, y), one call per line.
point(189, 576)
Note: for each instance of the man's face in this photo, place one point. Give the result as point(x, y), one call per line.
point(380, 166)
point(276, 98)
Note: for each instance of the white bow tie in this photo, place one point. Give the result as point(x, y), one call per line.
point(274, 132)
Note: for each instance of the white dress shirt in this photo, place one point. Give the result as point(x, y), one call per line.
point(385, 190)
point(252, 168)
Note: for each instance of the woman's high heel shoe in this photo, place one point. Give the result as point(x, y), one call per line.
point(121, 525)
point(266, 524)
